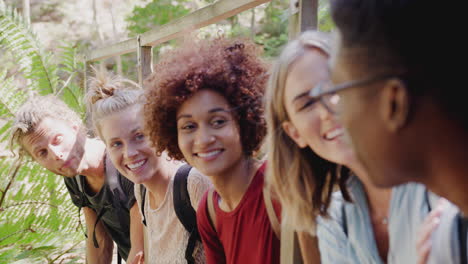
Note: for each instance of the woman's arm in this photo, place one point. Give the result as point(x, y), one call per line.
point(136, 235)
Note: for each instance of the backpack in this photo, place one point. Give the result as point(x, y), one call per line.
point(112, 177)
point(183, 209)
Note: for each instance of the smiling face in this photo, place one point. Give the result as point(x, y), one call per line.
point(310, 124)
point(208, 134)
point(57, 145)
point(127, 146)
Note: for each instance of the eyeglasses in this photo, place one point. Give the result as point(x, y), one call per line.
point(328, 95)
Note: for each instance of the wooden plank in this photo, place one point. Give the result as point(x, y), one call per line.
point(124, 47)
point(205, 16)
point(202, 17)
point(145, 62)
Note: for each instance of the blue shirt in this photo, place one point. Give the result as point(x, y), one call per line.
point(445, 239)
point(347, 236)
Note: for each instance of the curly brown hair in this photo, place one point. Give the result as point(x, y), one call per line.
point(231, 67)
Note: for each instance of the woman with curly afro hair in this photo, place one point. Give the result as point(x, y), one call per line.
point(204, 106)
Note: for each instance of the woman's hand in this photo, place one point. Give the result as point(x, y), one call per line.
point(424, 243)
point(139, 258)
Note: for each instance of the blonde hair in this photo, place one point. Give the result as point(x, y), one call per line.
point(109, 93)
point(33, 111)
point(301, 179)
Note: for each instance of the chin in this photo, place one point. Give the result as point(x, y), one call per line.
point(385, 180)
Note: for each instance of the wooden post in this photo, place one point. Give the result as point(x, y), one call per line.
point(303, 16)
point(145, 61)
point(27, 11)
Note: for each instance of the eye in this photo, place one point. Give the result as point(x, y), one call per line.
point(188, 127)
point(218, 122)
point(41, 153)
point(115, 144)
point(139, 136)
point(309, 102)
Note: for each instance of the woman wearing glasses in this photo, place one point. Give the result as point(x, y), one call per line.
point(306, 144)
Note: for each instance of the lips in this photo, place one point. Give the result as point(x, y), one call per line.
point(333, 133)
point(67, 164)
point(209, 154)
point(136, 165)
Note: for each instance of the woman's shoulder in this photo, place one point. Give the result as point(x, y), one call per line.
point(197, 185)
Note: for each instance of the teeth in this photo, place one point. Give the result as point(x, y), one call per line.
point(136, 165)
point(209, 154)
point(334, 133)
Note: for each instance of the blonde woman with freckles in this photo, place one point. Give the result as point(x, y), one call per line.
point(358, 224)
point(116, 105)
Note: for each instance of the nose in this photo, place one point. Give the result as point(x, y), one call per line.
point(204, 137)
point(56, 152)
point(130, 151)
point(324, 114)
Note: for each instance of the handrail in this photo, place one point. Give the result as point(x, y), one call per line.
point(202, 17)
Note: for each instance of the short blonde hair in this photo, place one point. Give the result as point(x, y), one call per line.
point(302, 180)
point(33, 111)
point(109, 93)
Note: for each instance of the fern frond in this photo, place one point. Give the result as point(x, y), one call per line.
point(17, 38)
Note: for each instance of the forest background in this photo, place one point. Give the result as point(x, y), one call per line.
point(42, 43)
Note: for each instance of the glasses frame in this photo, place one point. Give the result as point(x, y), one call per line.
point(318, 93)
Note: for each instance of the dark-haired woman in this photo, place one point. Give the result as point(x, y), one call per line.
point(208, 111)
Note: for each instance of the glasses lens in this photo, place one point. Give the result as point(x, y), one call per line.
point(332, 102)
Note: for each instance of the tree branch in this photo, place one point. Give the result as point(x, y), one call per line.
point(64, 252)
point(12, 179)
point(26, 203)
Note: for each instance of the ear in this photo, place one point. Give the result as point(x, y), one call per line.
point(394, 105)
point(292, 132)
point(75, 127)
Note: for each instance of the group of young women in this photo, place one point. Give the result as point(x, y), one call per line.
point(212, 104)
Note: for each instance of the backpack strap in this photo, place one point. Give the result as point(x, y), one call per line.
point(118, 195)
point(462, 236)
point(142, 206)
point(271, 213)
point(141, 189)
point(82, 202)
point(290, 251)
point(211, 209)
point(79, 182)
point(184, 210)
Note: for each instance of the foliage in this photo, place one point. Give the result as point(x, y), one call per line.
point(37, 219)
point(154, 14)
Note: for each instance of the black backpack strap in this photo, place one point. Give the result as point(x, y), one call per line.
point(142, 206)
point(184, 210)
point(99, 215)
point(83, 203)
point(462, 236)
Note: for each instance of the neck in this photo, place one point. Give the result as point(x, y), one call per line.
point(158, 184)
point(234, 182)
point(447, 172)
point(92, 164)
point(378, 198)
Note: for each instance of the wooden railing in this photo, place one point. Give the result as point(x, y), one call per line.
point(303, 15)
